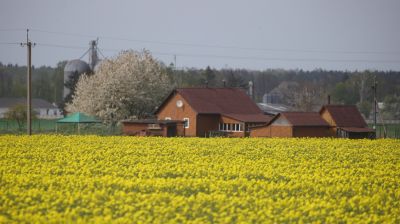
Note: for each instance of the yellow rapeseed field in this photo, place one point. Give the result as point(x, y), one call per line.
point(91, 179)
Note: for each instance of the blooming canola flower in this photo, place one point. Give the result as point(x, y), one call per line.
point(93, 179)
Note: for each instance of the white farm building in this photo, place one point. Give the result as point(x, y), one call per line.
point(43, 109)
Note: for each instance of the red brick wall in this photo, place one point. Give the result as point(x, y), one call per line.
point(180, 130)
point(206, 123)
point(328, 118)
point(289, 131)
point(264, 131)
point(175, 113)
point(311, 132)
point(132, 128)
point(282, 131)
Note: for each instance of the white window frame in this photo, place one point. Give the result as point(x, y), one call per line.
point(187, 122)
point(231, 127)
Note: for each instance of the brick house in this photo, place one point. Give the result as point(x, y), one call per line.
point(346, 121)
point(293, 124)
point(208, 112)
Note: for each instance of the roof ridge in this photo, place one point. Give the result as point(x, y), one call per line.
point(339, 105)
point(210, 88)
point(304, 112)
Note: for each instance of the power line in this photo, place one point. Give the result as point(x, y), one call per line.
point(98, 49)
point(286, 59)
point(9, 43)
point(84, 54)
point(12, 30)
point(233, 57)
point(63, 33)
point(266, 58)
point(221, 46)
point(215, 46)
point(61, 46)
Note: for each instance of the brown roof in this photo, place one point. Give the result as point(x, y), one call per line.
point(345, 115)
point(217, 100)
point(152, 121)
point(303, 118)
point(8, 102)
point(350, 129)
point(256, 118)
point(220, 100)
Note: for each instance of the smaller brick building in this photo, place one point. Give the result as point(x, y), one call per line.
point(151, 127)
point(346, 121)
point(342, 121)
point(293, 124)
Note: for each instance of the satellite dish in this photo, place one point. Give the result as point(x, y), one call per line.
point(179, 103)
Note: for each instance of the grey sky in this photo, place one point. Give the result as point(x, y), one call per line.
point(303, 34)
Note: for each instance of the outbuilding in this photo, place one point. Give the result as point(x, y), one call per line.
point(293, 124)
point(346, 122)
point(153, 127)
point(42, 108)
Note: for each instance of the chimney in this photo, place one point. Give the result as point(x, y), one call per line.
point(251, 89)
point(329, 99)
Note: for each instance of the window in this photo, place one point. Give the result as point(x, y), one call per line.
point(236, 127)
point(167, 118)
point(153, 126)
point(186, 125)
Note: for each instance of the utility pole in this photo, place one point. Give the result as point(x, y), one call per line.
point(374, 87)
point(175, 61)
point(28, 83)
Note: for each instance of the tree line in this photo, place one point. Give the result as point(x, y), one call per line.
point(299, 89)
point(306, 90)
point(47, 82)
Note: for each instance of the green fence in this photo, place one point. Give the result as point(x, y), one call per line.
point(42, 126)
point(392, 130)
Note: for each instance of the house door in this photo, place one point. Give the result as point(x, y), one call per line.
point(171, 131)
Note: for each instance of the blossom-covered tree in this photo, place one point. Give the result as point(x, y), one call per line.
point(130, 85)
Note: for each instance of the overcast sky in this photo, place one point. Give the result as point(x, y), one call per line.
point(262, 34)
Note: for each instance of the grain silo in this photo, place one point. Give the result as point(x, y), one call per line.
point(79, 67)
point(73, 67)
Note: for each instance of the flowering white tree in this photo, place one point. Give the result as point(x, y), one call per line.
point(131, 85)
